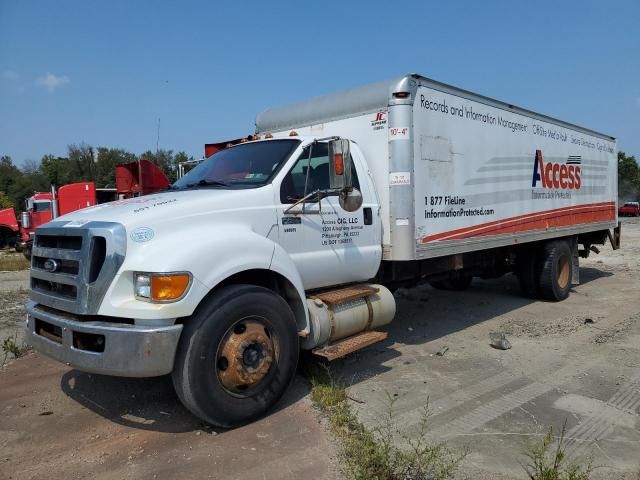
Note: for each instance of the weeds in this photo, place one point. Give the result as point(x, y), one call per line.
point(548, 463)
point(11, 347)
point(13, 262)
point(371, 454)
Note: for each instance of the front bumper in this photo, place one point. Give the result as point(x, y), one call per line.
point(102, 347)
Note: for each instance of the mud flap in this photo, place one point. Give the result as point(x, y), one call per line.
point(616, 237)
point(575, 264)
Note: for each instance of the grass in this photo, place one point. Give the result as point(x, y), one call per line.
point(13, 262)
point(547, 462)
point(372, 454)
point(11, 347)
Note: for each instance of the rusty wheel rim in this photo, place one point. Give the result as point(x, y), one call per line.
point(246, 356)
point(564, 269)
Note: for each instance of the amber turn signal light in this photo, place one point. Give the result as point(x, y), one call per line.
point(169, 287)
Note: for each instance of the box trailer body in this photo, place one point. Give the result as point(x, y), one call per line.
point(294, 237)
point(457, 172)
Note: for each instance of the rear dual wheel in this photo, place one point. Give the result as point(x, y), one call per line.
point(237, 355)
point(556, 272)
point(547, 273)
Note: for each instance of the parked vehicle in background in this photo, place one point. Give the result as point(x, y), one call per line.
point(297, 236)
point(630, 209)
point(132, 180)
point(209, 149)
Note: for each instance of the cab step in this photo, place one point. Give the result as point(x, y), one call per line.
point(343, 295)
point(340, 348)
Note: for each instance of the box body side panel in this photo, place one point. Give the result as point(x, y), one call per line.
point(485, 176)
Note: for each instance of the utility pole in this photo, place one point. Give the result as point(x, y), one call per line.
point(158, 137)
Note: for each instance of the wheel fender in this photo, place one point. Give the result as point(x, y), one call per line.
point(246, 251)
point(282, 264)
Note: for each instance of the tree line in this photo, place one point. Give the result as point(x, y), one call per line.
point(83, 163)
point(628, 178)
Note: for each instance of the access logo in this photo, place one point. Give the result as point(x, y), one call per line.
point(557, 175)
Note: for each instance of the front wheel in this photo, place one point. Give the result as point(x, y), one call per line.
point(237, 355)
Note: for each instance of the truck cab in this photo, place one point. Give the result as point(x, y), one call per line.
point(261, 223)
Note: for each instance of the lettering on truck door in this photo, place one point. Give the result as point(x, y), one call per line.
point(326, 242)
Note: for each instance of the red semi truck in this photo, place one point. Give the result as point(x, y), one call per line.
point(132, 180)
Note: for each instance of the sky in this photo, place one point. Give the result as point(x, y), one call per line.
point(104, 72)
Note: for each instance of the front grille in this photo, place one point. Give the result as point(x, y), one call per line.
point(66, 242)
point(54, 288)
point(64, 266)
point(71, 267)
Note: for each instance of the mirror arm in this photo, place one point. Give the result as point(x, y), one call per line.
point(320, 193)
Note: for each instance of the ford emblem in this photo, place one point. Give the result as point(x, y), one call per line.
point(50, 265)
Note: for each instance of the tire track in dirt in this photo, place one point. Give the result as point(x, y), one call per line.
point(505, 403)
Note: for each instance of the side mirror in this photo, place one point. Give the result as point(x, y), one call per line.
point(339, 165)
point(30, 203)
point(350, 200)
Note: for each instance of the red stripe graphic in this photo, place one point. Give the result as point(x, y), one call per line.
point(558, 217)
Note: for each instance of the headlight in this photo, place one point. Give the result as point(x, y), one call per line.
point(142, 285)
point(161, 287)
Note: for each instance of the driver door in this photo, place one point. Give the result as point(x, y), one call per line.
point(329, 245)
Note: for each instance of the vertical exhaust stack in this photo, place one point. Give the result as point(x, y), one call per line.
point(25, 218)
point(54, 202)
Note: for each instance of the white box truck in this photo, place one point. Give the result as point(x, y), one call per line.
point(295, 238)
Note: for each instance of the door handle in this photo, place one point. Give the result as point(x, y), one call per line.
point(368, 215)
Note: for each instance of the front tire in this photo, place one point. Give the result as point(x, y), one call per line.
point(237, 355)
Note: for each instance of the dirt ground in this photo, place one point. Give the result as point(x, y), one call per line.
point(59, 423)
point(577, 362)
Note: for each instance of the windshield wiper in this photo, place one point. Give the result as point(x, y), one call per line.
point(207, 183)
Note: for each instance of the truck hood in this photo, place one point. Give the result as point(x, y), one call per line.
point(169, 205)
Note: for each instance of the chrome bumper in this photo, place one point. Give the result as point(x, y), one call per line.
point(103, 347)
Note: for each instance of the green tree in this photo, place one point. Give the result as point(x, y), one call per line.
point(56, 170)
point(83, 163)
point(628, 178)
point(4, 201)
point(106, 163)
point(26, 185)
point(8, 173)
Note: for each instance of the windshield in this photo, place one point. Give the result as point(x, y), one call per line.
point(247, 165)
